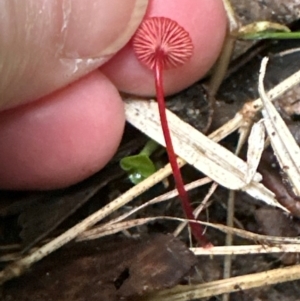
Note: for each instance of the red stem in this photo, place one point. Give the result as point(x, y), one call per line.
point(197, 229)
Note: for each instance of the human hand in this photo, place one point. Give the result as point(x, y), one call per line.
point(72, 132)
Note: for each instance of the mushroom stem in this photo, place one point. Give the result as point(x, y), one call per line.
point(161, 43)
point(196, 228)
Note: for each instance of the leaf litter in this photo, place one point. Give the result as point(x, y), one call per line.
point(243, 172)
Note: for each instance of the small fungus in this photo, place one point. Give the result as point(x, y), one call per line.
point(161, 43)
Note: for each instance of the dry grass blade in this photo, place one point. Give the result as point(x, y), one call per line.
point(285, 147)
point(198, 210)
point(195, 148)
point(115, 225)
point(163, 197)
point(234, 284)
point(198, 150)
point(246, 250)
point(252, 236)
point(19, 267)
point(227, 261)
point(278, 90)
point(114, 228)
point(228, 128)
point(101, 231)
point(251, 108)
point(256, 144)
point(233, 22)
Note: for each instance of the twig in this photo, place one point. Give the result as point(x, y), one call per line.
point(19, 267)
point(283, 143)
point(200, 151)
point(229, 239)
point(234, 284)
point(198, 210)
point(164, 197)
point(111, 228)
point(246, 250)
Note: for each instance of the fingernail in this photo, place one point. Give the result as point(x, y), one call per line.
point(93, 29)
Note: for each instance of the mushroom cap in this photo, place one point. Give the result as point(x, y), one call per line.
point(206, 24)
point(164, 36)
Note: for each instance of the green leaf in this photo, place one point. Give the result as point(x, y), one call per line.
point(266, 30)
point(138, 167)
point(272, 35)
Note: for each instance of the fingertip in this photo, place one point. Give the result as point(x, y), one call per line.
point(46, 45)
point(63, 138)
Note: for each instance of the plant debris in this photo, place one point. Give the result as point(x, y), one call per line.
point(113, 268)
point(106, 269)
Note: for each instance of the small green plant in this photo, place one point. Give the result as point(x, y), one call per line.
point(140, 166)
point(266, 30)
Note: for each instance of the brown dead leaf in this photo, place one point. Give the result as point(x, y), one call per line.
point(106, 269)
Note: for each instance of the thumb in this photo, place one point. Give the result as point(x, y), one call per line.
point(46, 45)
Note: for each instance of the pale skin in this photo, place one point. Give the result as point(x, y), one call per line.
point(65, 118)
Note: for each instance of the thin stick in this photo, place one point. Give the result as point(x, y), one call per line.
point(164, 197)
point(247, 250)
point(229, 239)
point(234, 284)
point(161, 198)
point(19, 267)
point(198, 209)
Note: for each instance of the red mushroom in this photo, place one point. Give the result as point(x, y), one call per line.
point(161, 43)
point(206, 24)
point(131, 69)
